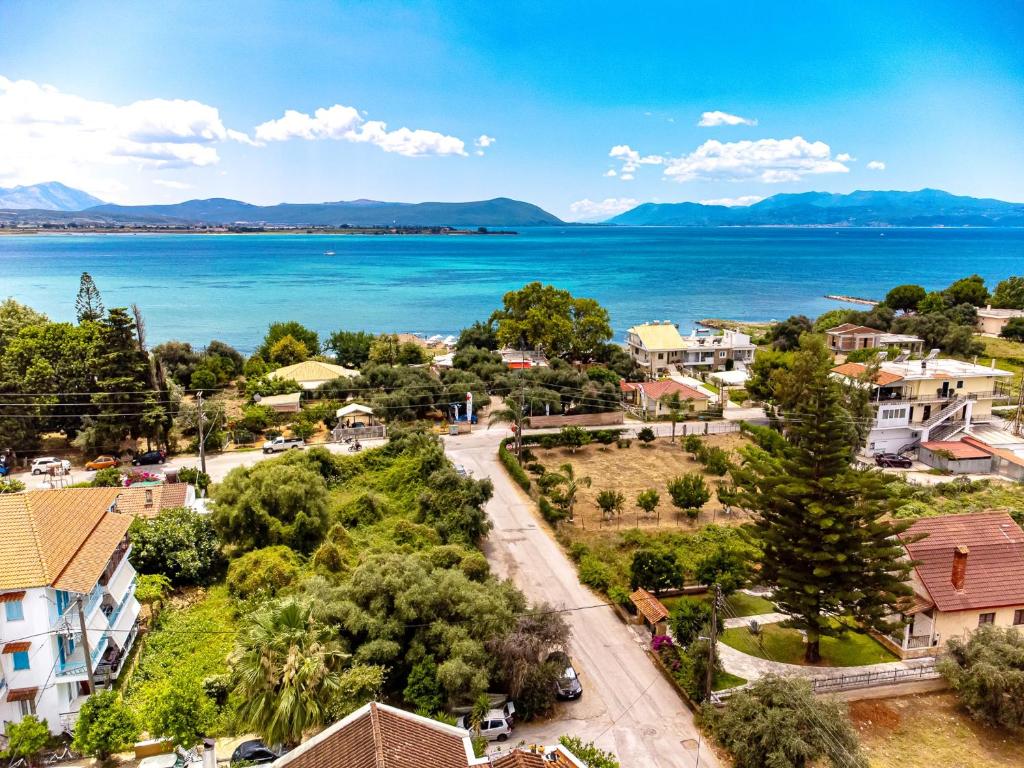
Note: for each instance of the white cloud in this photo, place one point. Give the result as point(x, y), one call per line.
point(845, 157)
point(631, 160)
point(483, 140)
point(712, 119)
point(876, 165)
point(169, 184)
point(732, 202)
point(343, 123)
point(598, 210)
point(626, 176)
point(611, 173)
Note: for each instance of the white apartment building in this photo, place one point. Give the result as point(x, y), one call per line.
point(59, 550)
point(917, 401)
point(658, 346)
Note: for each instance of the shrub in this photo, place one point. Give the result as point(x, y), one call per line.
point(550, 441)
point(987, 673)
point(618, 595)
point(574, 437)
point(606, 436)
point(655, 570)
point(151, 588)
point(178, 543)
point(646, 435)
point(256, 418)
point(475, 566)
point(11, 485)
point(623, 442)
point(578, 550)
point(26, 739)
point(689, 620)
point(594, 572)
point(422, 690)
point(184, 713)
point(689, 492)
point(610, 502)
point(107, 478)
point(513, 466)
point(588, 754)
point(537, 696)
point(193, 476)
point(105, 726)
point(549, 511)
point(715, 460)
point(693, 445)
point(263, 571)
point(549, 481)
point(535, 468)
point(648, 500)
point(1014, 329)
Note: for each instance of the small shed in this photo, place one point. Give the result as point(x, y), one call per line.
point(955, 456)
point(356, 422)
point(653, 611)
point(290, 403)
point(354, 412)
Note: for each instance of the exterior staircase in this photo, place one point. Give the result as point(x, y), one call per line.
point(947, 430)
point(944, 414)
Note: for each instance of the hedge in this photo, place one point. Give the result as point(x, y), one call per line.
point(517, 472)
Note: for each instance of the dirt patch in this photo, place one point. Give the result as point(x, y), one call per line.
point(638, 468)
point(875, 716)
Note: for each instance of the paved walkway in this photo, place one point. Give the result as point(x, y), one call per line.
point(761, 618)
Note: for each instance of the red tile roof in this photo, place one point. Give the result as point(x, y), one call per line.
point(995, 560)
point(17, 647)
point(520, 759)
point(22, 694)
point(856, 370)
point(650, 607)
point(958, 448)
point(656, 390)
point(850, 328)
point(12, 597)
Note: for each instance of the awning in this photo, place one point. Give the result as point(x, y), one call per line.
point(11, 597)
point(353, 408)
point(17, 647)
point(22, 694)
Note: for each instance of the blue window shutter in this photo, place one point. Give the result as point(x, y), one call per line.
point(14, 610)
point(21, 660)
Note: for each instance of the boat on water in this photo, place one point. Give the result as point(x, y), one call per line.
point(328, 253)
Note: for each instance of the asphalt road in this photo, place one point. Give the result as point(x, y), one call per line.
point(627, 706)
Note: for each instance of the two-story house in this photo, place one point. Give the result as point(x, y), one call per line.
point(63, 566)
point(916, 401)
point(849, 337)
point(658, 346)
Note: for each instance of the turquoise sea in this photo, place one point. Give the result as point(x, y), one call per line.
point(229, 287)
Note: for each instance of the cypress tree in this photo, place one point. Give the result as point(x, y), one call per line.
point(88, 304)
point(830, 553)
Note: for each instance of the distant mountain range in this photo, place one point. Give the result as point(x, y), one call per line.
point(499, 212)
point(924, 208)
point(51, 196)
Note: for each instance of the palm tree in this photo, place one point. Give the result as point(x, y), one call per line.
point(570, 487)
point(287, 672)
point(677, 409)
point(513, 413)
point(610, 502)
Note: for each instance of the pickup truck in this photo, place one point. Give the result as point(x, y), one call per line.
point(279, 444)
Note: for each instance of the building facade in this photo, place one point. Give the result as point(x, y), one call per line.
point(918, 401)
point(658, 346)
point(63, 567)
point(992, 321)
point(848, 337)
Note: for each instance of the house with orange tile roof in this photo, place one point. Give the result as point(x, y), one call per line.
point(62, 550)
point(917, 401)
point(968, 573)
point(652, 397)
point(381, 736)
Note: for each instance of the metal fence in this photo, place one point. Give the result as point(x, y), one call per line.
point(843, 682)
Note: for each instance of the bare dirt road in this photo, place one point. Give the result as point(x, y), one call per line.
point(627, 706)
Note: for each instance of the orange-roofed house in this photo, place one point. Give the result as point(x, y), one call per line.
point(381, 736)
point(920, 401)
point(652, 397)
point(60, 549)
point(969, 573)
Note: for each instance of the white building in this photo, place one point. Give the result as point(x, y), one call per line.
point(658, 346)
point(917, 401)
point(58, 550)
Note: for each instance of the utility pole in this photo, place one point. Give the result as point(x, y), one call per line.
point(1018, 416)
point(85, 647)
point(202, 437)
point(712, 640)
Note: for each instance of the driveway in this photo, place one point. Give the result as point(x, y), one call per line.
point(627, 706)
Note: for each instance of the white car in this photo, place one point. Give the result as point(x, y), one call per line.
point(44, 464)
point(496, 726)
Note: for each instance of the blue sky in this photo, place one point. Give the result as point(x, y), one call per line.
point(159, 102)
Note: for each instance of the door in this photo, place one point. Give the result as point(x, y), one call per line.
point(926, 414)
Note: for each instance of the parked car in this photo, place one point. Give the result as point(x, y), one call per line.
point(45, 463)
point(496, 725)
point(892, 460)
point(102, 462)
point(567, 686)
point(461, 470)
point(253, 752)
point(149, 457)
point(279, 444)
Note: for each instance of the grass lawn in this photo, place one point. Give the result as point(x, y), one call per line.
point(724, 680)
point(1009, 356)
point(740, 603)
point(787, 646)
point(930, 730)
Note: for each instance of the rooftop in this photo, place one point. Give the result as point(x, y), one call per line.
point(292, 398)
point(650, 607)
point(849, 329)
point(890, 371)
point(958, 449)
point(61, 538)
point(150, 500)
point(1000, 313)
point(312, 370)
point(659, 389)
point(995, 559)
point(659, 336)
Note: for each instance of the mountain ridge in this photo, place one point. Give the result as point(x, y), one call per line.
point(49, 195)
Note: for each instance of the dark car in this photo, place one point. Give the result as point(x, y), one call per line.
point(568, 684)
point(892, 460)
point(253, 752)
point(149, 457)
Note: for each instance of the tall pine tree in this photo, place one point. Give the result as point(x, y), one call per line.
point(830, 549)
point(88, 304)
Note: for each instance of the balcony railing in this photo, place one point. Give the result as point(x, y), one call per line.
point(913, 642)
point(128, 595)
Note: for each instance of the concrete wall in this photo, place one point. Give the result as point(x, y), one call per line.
point(603, 419)
point(956, 466)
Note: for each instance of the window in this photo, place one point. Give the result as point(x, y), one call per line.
point(20, 660)
point(27, 707)
point(959, 385)
point(986, 618)
point(14, 610)
point(661, 355)
point(894, 413)
point(1018, 617)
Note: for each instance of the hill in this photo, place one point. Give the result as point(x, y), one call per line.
point(50, 196)
point(864, 208)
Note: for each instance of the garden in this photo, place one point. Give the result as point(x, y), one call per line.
point(777, 643)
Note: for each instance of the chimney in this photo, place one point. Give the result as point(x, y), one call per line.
point(959, 574)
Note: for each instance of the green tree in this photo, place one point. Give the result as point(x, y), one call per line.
point(544, 317)
point(422, 691)
point(289, 673)
point(690, 620)
point(968, 290)
point(831, 319)
point(568, 489)
point(13, 318)
point(26, 739)
point(655, 570)
point(88, 304)
point(610, 502)
point(183, 713)
point(177, 361)
point(729, 566)
point(779, 722)
point(178, 543)
point(935, 301)
point(512, 413)
point(480, 335)
point(202, 379)
point(786, 335)
point(715, 460)
point(263, 572)
point(297, 331)
point(648, 500)
point(351, 348)
point(105, 726)
point(677, 410)
point(986, 670)
point(905, 298)
point(385, 350)
point(693, 445)
point(587, 753)
point(151, 588)
point(287, 351)
point(574, 437)
point(689, 492)
point(1009, 294)
point(411, 353)
point(646, 435)
point(1014, 329)
point(274, 502)
point(829, 551)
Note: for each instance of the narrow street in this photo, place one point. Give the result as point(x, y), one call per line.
point(627, 706)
